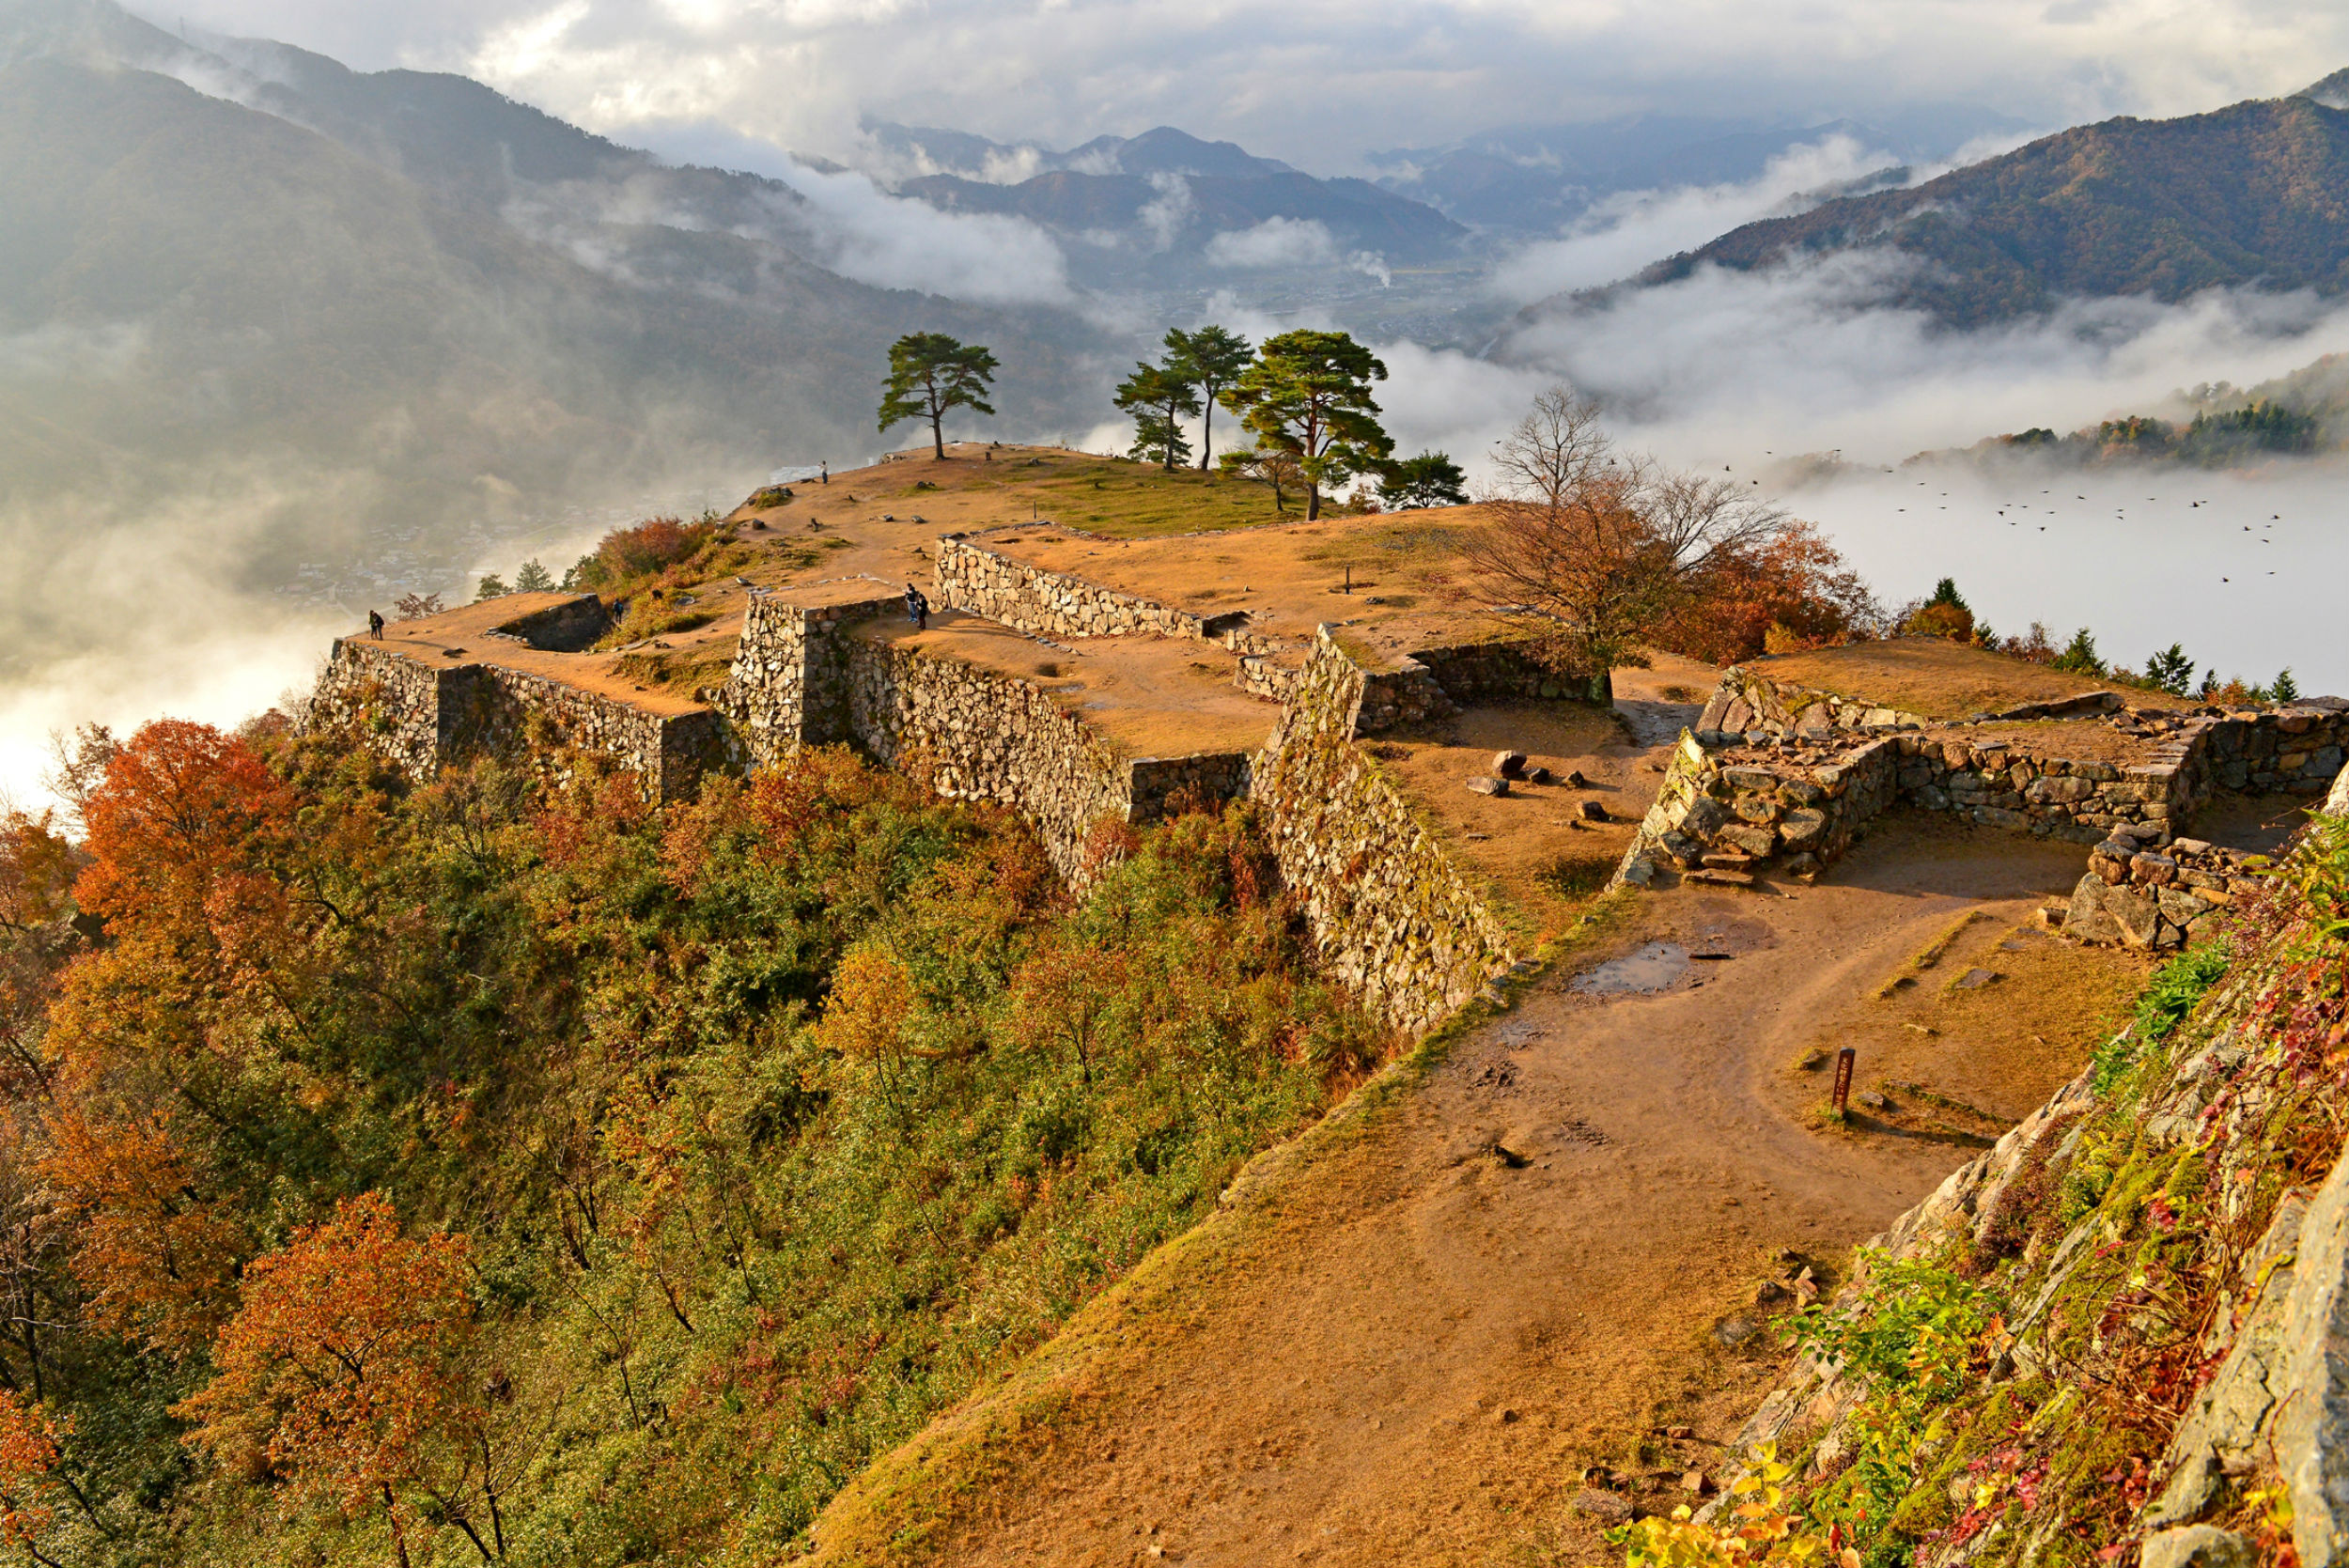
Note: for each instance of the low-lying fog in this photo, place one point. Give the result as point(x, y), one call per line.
point(2245, 568)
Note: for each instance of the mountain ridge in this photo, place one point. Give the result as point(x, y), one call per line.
point(2126, 207)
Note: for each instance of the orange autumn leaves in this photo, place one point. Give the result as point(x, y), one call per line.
point(28, 1455)
point(339, 1369)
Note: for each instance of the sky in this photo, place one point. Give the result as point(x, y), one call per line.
point(1316, 82)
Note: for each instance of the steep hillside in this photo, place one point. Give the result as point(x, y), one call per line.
point(2243, 196)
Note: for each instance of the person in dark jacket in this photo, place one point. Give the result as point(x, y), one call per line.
point(375, 625)
point(917, 608)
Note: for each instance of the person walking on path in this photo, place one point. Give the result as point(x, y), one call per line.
point(917, 608)
point(375, 625)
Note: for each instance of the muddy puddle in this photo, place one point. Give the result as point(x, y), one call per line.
point(1651, 967)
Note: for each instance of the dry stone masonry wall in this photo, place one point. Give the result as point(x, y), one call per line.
point(1050, 604)
point(1391, 914)
point(422, 719)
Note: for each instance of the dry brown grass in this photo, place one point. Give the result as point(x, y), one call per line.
point(1934, 678)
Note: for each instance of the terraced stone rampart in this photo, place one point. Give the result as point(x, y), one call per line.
point(1391, 912)
point(422, 719)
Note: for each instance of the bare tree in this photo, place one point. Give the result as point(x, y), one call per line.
point(1609, 543)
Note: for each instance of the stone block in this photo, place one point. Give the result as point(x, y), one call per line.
point(1483, 785)
point(1757, 841)
point(2136, 913)
point(1803, 828)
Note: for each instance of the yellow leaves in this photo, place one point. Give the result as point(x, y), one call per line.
point(872, 996)
point(1761, 1530)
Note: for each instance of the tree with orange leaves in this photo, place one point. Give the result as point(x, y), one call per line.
point(341, 1369)
point(1791, 591)
point(158, 1259)
point(180, 805)
point(28, 1456)
point(37, 870)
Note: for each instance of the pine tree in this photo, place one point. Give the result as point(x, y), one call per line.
point(2285, 689)
point(533, 578)
point(2171, 670)
point(1430, 479)
point(1156, 397)
point(1209, 360)
point(1308, 393)
point(930, 373)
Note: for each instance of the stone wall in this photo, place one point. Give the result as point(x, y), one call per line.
point(2142, 895)
point(393, 703)
point(1757, 707)
point(572, 627)
point(1053, 604)
point(421, 720)
point(789, 687)
point(1392, 916)
point(1728, 812)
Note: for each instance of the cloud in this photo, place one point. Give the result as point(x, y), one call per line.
point(855, 229)
point(1812, 357)
point(1164, 216)
point(1274, 242)
point(1385, 72)
point(1622, 233)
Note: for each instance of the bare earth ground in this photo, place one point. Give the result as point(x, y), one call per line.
point(1410, 1353)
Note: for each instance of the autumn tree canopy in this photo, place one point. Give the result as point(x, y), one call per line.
point(1611, 544)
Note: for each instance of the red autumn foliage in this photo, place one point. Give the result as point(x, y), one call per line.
point(1789, 592)
point(340, 1368)
point(28, 1453)
point(180, 805)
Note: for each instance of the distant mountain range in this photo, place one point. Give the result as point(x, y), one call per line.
point(401, 302)
point(1164, 203)
point(1524, 180)
point(2249, 196)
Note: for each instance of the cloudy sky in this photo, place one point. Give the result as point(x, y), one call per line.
point(1316, 82)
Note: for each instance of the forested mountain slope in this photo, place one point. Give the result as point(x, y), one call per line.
point(2245, 197)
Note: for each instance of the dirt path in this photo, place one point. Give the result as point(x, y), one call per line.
point(1414, 1359)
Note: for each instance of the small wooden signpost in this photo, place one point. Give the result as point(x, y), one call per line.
point(1844, 1060)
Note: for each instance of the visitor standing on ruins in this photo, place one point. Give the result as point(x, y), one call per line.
point(823, 471)
point(917, 608)
point(375, 625)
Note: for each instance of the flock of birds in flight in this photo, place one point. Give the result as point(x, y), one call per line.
point(2119, 513)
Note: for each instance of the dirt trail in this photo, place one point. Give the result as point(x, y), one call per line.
point(1414, 1359)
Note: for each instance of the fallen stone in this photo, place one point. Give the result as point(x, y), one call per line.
point(1483, 786)
point(1590, 811)
point(1540, 776)
point(1769, 1293)
point(1974, 980)
point(1509, 765)
point(1696, 1482)
point(1606, 1507)
point(1574, 778)
point(1873, 1100)
point(1504, 1417)
point(1721, 878)
point(1735, 1331)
